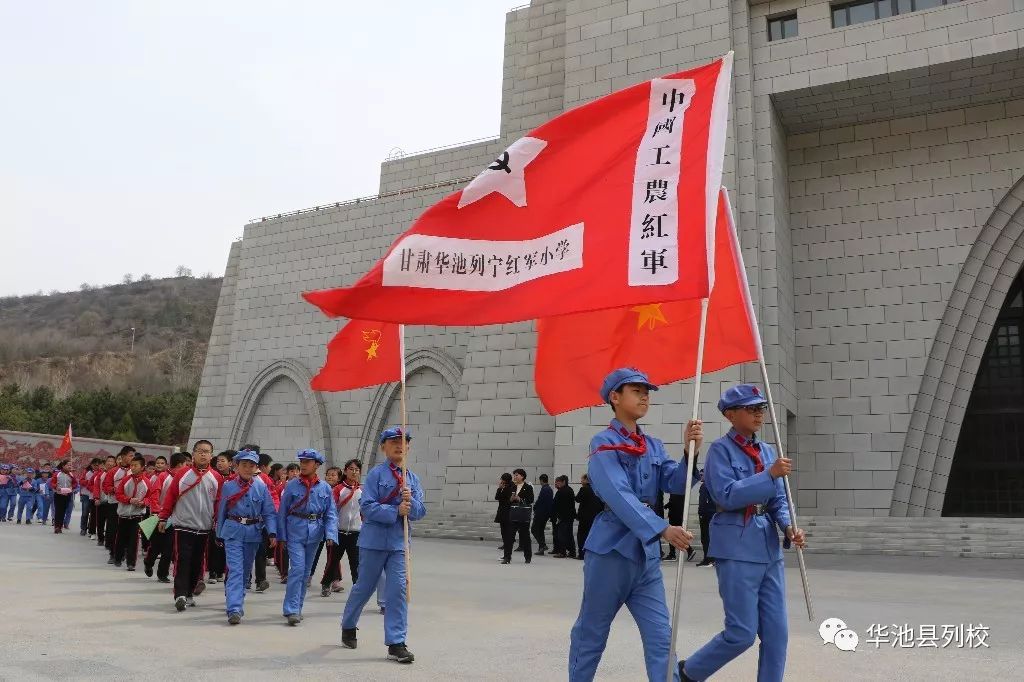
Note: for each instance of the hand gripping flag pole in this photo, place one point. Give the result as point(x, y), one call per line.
point(405, 468)
point(771, 411)
point(691, 454)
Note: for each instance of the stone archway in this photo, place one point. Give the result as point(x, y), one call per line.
point(984, 282)
point(295, 372)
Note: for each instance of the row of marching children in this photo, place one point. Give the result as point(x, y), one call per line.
point(224, 518)
point(26, 493)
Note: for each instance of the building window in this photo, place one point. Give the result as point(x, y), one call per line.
point(782, 27)
point(859, 11)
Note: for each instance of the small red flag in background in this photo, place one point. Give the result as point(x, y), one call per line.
point(361, 354)
point(609, 204)
point(65, 445)
point(576, 352)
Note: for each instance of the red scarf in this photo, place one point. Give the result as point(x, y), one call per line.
point(337, 493)
point(199, 479)
point(309, 488)
point(754, 453)
point(396, 473)
point(638, 449)
point(243, 488)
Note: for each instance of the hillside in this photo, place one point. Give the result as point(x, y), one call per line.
point(82, 340)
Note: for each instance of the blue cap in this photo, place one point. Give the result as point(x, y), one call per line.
point(621, 377)
point(309, 453)
point(741, 395)
point(246, 456)
point(5, 467)
point(394, 432)
point(30, 470)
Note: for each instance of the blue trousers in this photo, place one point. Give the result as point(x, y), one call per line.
point(609, 582)
point(26, 504)
point(754, 599)
point(67, 512)
point(300, 563)
point(372, 564)
point(240, 557)
point(43, 507)
point(3, 505)
point(12, 500)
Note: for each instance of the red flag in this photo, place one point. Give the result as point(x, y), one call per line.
point(609, 204)
point(576, 352)
point(361, 354)
point(65, 445)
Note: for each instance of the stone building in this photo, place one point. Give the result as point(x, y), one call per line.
point(874, 158)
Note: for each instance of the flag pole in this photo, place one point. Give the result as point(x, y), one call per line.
point(691, 458)
point(405, 467)
point(756, 331)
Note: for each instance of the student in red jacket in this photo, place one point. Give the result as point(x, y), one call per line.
point(131, 496)
point(160, 542)
point(63, 483)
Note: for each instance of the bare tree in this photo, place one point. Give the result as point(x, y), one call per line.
point(127, 279)
point(85, 286)
point(182, 271)
point(146, 277)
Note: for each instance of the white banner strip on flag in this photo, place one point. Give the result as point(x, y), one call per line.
point(654, 222)
point(450, 263)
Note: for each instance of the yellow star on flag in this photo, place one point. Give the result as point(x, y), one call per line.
point(373, 337)
point(649, 315)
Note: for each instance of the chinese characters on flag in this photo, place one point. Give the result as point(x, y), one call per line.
point(575, 352)
point(361, 354)
point(607, 205)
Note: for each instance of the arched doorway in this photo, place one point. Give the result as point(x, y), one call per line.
point(987, 474)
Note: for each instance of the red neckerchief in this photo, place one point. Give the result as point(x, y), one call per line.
point(243, 488)
point(396, 473)
point(337, 493)
point(638, 449)
point(309, 488)
point(753, 451)
point(199, 479)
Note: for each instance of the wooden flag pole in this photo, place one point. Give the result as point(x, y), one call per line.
point(405, 468)
point(691, 456)
point(756, 331)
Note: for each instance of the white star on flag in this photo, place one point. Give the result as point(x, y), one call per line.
point(505, 175)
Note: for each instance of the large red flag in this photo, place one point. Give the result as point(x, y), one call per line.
point(576, 352)
point(361, 354)
point(609, 204)
point(65, 445)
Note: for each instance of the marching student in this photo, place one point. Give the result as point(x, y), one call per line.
point(622, 566)
point(160, 545)
point(386, 499)
point(332, 566)
point(215, 552)
point(7, 485)
point(350, 520)
point(281, 552)
point(43, 496)
point(111, 479)
point(189, 508)
point(63, 484)
point(306, 518)
point(265, 551)
point(87, 524)
point(131, 496)
point(244, 513)
point(743, 476)
point(27, 495)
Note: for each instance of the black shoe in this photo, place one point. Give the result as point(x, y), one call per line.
point(293, 619)
point(262, 586)
point(706, 562)
point(325, 590)
point(131, 568)
point(234, 619)
point(528, 559)
point(348, 637)
point(690, 553)
point(179, 603)
point(148, 569)
point(198, 590)
point(398, 652)
point(683, 676)
point(163, 579)
point(506, 561)
point(670, 557)
point(110, 561)
point(117, 564)
point(82, 533)
point(540, 552)
point(558, 555)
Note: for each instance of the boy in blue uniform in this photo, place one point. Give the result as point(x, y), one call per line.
point(306, 518)
point(245, 510)
point(44, 496)
point(386, 499)
point(743, 476)
point(628, 470)
point(27, 495)
point(12, 491)
point(7, 484)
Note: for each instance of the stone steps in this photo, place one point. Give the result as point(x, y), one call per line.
point(926, 537)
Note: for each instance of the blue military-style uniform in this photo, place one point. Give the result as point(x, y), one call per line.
point(304, 521)
point(382, 545)
point(7, 489)
point(752, 508)
point(27, 495)
point(622, 564)
point(44, 497)
point(240, 527)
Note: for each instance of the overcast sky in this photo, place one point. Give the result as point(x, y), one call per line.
point(139, 136)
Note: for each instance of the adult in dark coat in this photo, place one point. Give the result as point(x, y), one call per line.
point(522, 496)
point(504, 497)
point(543, 510)
point(590, 505)
point(565, 513)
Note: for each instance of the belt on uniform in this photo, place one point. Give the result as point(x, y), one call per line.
point(646, 504)
point(759, 510)
point(136, 517)
point(348, 532)
point(245, 520)
point(308, 517)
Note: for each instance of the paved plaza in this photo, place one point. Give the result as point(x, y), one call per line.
point(67, 615)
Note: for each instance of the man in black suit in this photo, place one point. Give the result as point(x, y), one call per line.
point(590, 506)
point(565, 513)
point(543, 510)
point(521, 496)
